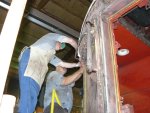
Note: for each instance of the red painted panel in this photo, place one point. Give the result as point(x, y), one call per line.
point(137, 48)
point(134, 80)
point(140, 101)
point(134, 71)
point(135, 76)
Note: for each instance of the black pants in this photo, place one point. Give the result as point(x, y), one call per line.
point(57, 109)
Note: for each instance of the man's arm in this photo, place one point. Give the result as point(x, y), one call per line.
point(70, 41)
point(72, 78)
point(69, 65)
point(58, 62)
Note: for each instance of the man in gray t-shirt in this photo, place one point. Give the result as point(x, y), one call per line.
point(63, 86)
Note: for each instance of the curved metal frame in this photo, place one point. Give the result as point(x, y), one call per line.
point(102, 16)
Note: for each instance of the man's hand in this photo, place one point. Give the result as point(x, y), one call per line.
point(82, 66)
point(78, 64)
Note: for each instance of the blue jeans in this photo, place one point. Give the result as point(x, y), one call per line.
point(29, 89)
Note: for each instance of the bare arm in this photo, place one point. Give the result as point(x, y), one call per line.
point(69, 65)
point(71, 41)
point(58, 62)
point(72, 78)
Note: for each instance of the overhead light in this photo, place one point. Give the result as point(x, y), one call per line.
point(122, 52)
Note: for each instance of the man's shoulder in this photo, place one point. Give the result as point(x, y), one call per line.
point(54, 74)
point(54, 36)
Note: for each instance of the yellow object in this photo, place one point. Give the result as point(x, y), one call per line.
point(54, 96)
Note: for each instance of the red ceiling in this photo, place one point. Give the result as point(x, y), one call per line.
point(137, 48)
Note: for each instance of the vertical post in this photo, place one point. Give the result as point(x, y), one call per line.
point(7, 104)
point(8, 38)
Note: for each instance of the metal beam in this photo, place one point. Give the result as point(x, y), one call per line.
point(4, 5)
point(41, 17)
point(47, 22)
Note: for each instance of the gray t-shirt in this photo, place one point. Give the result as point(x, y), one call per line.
point(64, 93)
point(55, 61)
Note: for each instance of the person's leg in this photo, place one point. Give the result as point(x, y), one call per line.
point(29, 89)
point(34, 90)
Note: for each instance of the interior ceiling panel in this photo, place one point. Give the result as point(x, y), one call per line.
point(41, 3)
point(69, 12)
point(2, 17)
point(141, 16)
point(63, 15)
